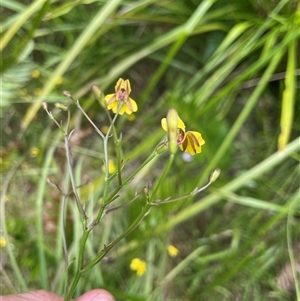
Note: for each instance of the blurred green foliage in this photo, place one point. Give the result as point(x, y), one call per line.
point(231, 70)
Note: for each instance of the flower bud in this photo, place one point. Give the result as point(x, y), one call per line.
point(172, 123)
point(98, 95)
point(161, 148)
point(67, 93)
point(214, 175)
point(45, 106)
point(61, 106)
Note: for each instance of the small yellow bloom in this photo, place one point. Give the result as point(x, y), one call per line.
point(111, 167)
point(2, 242)
point(35, 73)
point(173, 251)
point(139, 266)
point(59, 81)
point(190, 141)
point(121, 97)
point(131, 117)
point(34, 152)
point(37, 92)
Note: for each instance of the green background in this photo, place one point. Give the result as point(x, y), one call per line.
point(230, 69)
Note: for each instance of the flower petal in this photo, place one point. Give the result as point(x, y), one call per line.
point(110, 98)
point(189, 146)
point(122, 110)
point(123, 85)
point(112, 105)
point(180, 125)
point(131, 106)
point(198, 136)
point(192, 143)
point(127, 86)
point(164, 124)
point(184, 144)
point(120, 84)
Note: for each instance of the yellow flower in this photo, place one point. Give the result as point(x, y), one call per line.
point(121, 96)
point(2, 242)
point(34, 152)
point(111, 167)
point(58, 81)
point(131, 117)
point(37, 92)
point(35, 73)
point(139, 266)
point(173, 251)
point(190, 141)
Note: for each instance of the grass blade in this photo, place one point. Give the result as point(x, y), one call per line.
point(288, 98)
point(70, 56)
point(237, 183)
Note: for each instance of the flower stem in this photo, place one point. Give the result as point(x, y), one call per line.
point(68, 94)
point(77, 199)
point(79, 264)
point(129, 178)
point(118, 147)
point(162, 177)
point(107, 248)
point(103, 252)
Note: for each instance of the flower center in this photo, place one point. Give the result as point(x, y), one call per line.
point(181, 136)
point(122, 94)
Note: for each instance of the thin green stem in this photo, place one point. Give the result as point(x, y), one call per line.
point(103, 252)
point(74, 188)
point(112, 196)
point(111, 126)
point(68, 94)
point(162, 177)
point(64, 239)
point(130, 177)
point(107, 248)
point(63, 219)
point(195, 191)
point(118, 152)
point(77, 276)
point(75, 281)
point(106, 163)
point(118, 148)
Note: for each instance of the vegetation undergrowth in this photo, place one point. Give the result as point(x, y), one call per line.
point(106, 192)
